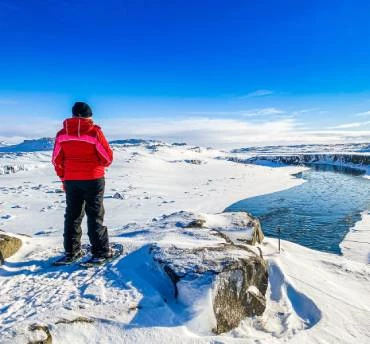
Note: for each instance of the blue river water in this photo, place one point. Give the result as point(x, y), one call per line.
point(318, 213)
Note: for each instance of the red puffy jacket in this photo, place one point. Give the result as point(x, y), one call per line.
point(81, 151)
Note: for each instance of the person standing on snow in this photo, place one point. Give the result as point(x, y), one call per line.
point(81, 153)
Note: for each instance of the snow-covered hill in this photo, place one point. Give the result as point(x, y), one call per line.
point(42, 144)
point(312, 297)
point(47, 143)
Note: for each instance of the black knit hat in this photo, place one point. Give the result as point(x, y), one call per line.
point(81, 109)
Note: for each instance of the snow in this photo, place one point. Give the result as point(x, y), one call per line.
point(313, 297)
point(355, 245)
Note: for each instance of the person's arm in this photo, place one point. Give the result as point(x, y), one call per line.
point(103, 148)
point(58, 158)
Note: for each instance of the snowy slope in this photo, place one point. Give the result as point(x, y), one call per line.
point(313, 297)
point(43, 144)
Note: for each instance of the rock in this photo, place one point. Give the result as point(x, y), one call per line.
point(239, 227)
point(190, 161)
point(237, 296)
point(196, 149)
point(224, 282)
point(194, 161)
point(74, 321)
point(119, 195)
point(197, 223)
point(39, 334)
point(7, 169)
point(8, 246)
point(357, 161)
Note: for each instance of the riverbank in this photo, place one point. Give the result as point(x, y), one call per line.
point(356, 244)
point(313, 297)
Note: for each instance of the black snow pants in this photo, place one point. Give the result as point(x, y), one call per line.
point(85, 196)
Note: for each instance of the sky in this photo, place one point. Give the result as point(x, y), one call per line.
point(216, 73)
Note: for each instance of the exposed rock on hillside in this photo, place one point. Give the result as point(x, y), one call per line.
point(194, 161)
point(39, 334)
point(223, 281)
point(360, 161)
point(240, 227)
point(8, 246)
point(7, 169)
point(229, 281)
point(119, 195)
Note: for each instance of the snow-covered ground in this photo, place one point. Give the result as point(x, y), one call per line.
point(313, 297)
point(355, 245)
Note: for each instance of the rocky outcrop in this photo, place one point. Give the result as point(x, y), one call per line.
point(360, 161)
point(119, 195)
point(222, 280)
point(240, 292)
point(239, 227)
point(8, 169)
point(75, 321)
point(39, 334)
point(305, 148)
point(191, 161)
point(194, 161)
point(356, 159)
point(8, 246)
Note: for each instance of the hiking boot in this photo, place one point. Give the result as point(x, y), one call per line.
point(69, 258)
point(102, 257)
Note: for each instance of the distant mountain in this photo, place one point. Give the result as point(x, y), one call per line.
point(47, 144)
point(43, 144)
point(134, 142)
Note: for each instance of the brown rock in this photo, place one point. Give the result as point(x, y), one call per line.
point(240, 291)
point(8, 246)
point(45, 333)
point(236, 275)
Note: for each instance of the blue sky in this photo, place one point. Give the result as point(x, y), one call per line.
point(221, 73)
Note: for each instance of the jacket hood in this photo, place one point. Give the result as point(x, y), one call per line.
point(78, 125)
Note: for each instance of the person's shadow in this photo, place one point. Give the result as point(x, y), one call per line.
point(158, 306)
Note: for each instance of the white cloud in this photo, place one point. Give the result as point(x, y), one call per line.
point(204, 131)
point(351, 125)
point(309, 110)
point(200, 131)
point(258, 93)
point(244, 113)
point(229, 133)
point(366, 113)
point(263, 112)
